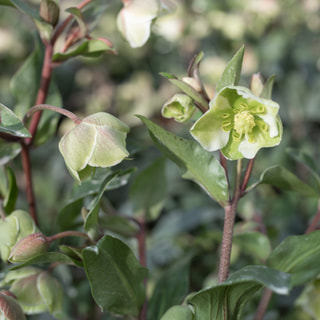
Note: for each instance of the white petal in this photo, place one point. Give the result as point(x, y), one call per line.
point(271, 120)
point(248, 149)
point(134, 20)
point(211, 138)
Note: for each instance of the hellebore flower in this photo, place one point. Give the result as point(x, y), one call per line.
point(97, 141)
point(36, 290)
point(135, 18)
point(238, 123)
point(180, 107)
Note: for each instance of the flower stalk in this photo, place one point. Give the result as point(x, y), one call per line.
point(230, 214)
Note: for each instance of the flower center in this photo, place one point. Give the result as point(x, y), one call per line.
point(244, 122)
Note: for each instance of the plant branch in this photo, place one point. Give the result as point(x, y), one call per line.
point(65, 23)
point(263, 304)
point(26, 165)
point(42, 92)
point(41, 107)
point(223, 162)
point(314, 222)
point(69, 234)
point(230, 214)
point(247, 175)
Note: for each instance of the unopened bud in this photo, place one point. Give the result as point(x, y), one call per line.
point(256, 84)
point(49, 11)
point(192, 82)
point(10, 308)
point(180, 107)
point(28, 247)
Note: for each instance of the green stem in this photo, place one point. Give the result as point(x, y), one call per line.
point(230, 214)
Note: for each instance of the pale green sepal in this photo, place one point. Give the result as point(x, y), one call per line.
point(12, 229)
point(77, 157)
point(99, 140)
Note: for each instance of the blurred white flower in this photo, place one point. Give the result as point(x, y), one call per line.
point(135, 18)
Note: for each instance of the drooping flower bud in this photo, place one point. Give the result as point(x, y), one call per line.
point(9, 307)
point(180, 107)
point(238, 123)
point(135, 18)
point(12, 229)
point(28, 247)
point(36, 290)
point(97, 141)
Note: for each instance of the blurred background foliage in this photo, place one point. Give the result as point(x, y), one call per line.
point(280, 37)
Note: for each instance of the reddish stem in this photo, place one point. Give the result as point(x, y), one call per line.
point(41, 107)
point(42, 92)
point(263, 304)
point(247, 175)
point(68, 234)
point(227, 237)
point(314, 222)
point(65, 23)
point(28, 178)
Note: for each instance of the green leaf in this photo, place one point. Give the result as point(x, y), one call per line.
point(49, 120)
point(24, 7)
point(24, 86)
point(47, 258)
point(195, 163)
point(170, 289)
point(186, 88)
point(178, 313)
point(119, 225)
point(281, 178)
point(11, 124)
point(227, 300)
point(69, 214)
point(91, 221)
point(77, 14)
point(254, 243)
point(8, 151)
point(6, 3)
point(299, 256)
point(232, 72)
point(12, 194)
point(115, 276)
point(309, 165)
point(90, 48)
point(8, 189)
point(148, 191)
point(267, 88)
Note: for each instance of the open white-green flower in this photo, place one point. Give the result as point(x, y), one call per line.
point(99, 140)
point(239, 124)
point(180, 107)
